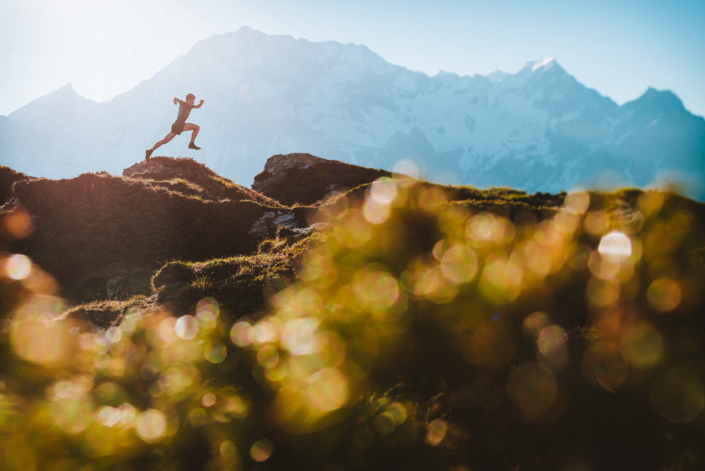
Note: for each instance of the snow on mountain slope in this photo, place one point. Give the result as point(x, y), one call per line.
point(538, 129)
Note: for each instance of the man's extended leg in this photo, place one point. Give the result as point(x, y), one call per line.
point(195, 128)
point(168, 138)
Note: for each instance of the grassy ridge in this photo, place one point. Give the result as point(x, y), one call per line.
point(186, 176)
point(243, 285)
point(90, 222)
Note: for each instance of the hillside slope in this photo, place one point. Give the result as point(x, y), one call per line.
point(85, 225)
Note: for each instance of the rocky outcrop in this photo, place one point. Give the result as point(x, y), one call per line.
point(192, 178)
point(306, 179)
point(267, 225)
point(119, 288)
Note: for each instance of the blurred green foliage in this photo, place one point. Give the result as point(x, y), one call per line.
point(419, 334)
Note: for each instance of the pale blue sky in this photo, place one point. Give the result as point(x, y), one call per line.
point(105, 47)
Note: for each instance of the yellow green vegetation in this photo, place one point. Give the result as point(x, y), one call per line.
point(418, 333)
point(243, 285)
point(105, 314)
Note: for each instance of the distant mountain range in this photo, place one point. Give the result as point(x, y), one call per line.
point(536, 130)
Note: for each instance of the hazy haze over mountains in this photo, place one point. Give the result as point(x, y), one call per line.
point(537, 130)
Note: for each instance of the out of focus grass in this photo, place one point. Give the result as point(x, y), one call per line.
point(420, 332)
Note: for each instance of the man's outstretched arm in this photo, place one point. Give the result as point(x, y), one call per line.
point(177, 101)
point(198, 105)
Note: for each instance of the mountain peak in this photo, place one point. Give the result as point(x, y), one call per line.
point(65, 97)
point(547, 67)
point(654, 94)
point(246, 31)
point(658, 99)
point(545, 64)
point(540, 73)
point(496, 75)
point(65, 91)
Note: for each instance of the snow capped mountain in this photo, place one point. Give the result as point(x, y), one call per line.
point(538, 129)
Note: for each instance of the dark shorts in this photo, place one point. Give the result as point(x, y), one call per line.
point(177, 127)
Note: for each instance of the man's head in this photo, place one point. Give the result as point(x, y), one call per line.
point(190, 98)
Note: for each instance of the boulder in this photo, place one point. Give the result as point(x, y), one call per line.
point(118, 288)
point(306, 179)
point(267, 225)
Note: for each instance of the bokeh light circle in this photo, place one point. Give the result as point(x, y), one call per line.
point(198, 417)
point(534, 323)
point(262, 450)
point(578, 201)
point(216, 352)
point(459, 264)
point(151, 425)
point(436, 432)
point(385, 424)
point(552, 347)
point(664, 295)
point(207, 309)
point(208, 399)
point(186, 327)
point(383, 190)
point(18, 267)
point(406, 167)
point(616, 244)
point(328, 389)
point(33, 339)
point(242, 334)
point(228, 451)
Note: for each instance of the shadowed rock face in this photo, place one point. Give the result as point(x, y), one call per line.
point(8, 177)
point(306, 179)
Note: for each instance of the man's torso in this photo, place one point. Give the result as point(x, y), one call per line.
point(184, 111)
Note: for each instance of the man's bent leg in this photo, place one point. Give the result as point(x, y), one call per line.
point(192, 127)
point(195, 128)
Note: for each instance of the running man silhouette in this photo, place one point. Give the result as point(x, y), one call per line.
point(180, 125)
